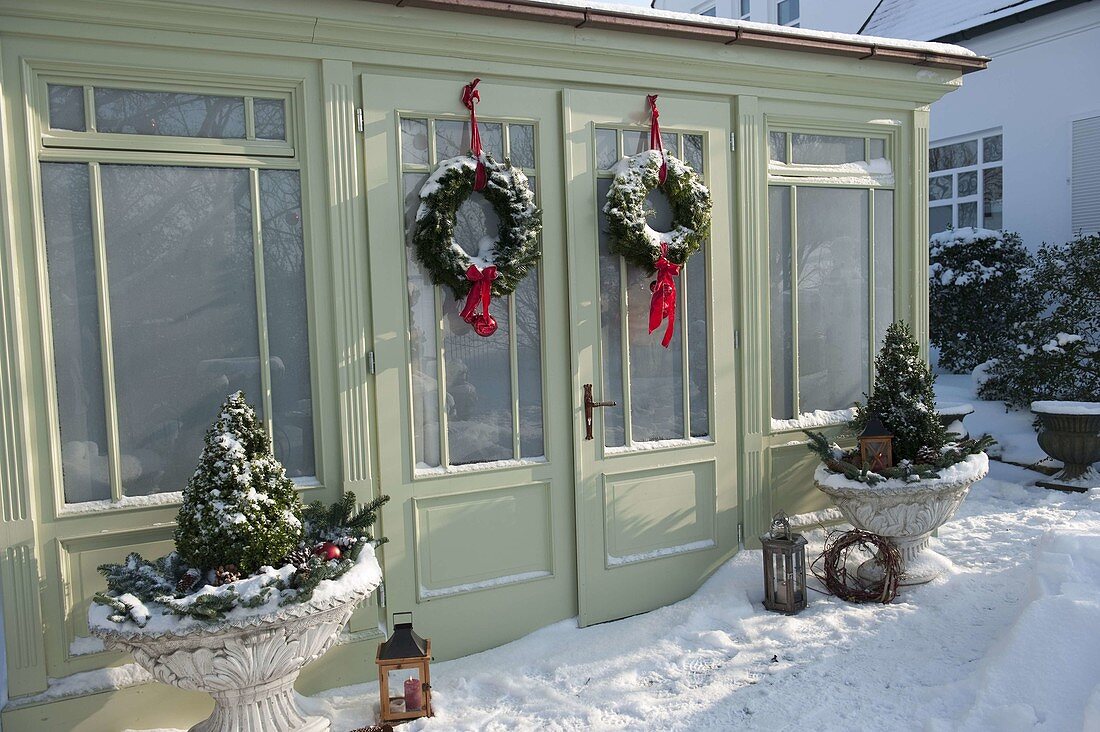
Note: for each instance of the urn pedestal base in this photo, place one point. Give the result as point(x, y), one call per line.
point(919, 564)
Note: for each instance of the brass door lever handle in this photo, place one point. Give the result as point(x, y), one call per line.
point(589, 405)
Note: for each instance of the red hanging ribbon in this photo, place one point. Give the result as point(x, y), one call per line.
point(481, 292)
point(655, 136)
point(470, 97)
point(663, 303)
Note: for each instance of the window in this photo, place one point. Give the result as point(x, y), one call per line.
point(787, 13)
point(964, 184)
point(745, 7)
point(710, 12)
point(171, 283)
point(475, 400)
point(831, 250)
point(1085, 172)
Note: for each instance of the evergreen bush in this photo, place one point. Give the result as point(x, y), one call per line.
point(980, 292)
point(1056, 354)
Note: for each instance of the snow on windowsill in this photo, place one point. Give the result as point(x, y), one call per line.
point(877, 171)
point(111, 678)
point(1091, 409)
point(423, 469)
point(816, 418)
point(657, 445)
point(512, 579)
point(668, 551)
point(153, 499)
point(84, 645)
point(815, 519)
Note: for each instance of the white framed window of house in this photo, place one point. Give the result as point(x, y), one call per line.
point(710, 12)
point(965, 182)
point(1085, 176)
point(831, 252)
point(788, 12)
point(744, 8)
point(172, 252)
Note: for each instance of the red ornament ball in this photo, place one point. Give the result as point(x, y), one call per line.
point(327, 551)
point(485, 325)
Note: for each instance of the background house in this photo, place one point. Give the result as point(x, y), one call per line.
point(845, 16)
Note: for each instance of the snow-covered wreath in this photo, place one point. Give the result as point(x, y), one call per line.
point(656, 251)
point(501, 262)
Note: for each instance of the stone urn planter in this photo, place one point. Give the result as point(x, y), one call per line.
point(1070, 433)
point(248, 661)
point(952, 415)
point(904, 512)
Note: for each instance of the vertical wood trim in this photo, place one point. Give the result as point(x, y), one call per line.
point(261, 301)
point(513, 370)
point(752, 221)
point(441, 380)
point(872, 281)
point(919, 178)
point(796, 386)
point(348, 241)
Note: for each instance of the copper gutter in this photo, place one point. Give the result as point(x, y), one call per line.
point(583, 17)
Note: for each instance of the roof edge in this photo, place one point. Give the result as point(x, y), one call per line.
point(1006, 21)
point(623, 20)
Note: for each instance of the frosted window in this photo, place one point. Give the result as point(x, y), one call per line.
point(825, 149)
point(635, 141)
point(529, 365)
point(183, 310)
point(782, 328)
point(521, 145)
point(452, 138)
point(832, 252)
point(607, 149)
point(66, 107)
point(777, 146)
point(287, 320)
point(877, 147)
point(269, 117)
point(169, 113)
point(611, 354)
point(884, 264)
point(78, 366)
point(695, 320)
point(414, 142)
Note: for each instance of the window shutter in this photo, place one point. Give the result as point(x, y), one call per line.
point(1085, 174)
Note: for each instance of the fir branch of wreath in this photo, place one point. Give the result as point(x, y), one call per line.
point(689, 198)
point(517, 248)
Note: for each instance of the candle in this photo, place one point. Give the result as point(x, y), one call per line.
point(414, 695)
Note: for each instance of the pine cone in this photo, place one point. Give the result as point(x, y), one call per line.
point(187, 581)
point(927, 455)
point(225, 574)
point(297, 557)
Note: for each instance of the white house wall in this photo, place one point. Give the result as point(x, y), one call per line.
point(1045, 73)
point(845, 16)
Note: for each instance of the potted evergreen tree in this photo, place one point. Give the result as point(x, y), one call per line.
point(927, 477)
point(258, 585)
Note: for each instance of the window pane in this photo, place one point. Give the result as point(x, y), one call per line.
point(782, 328)
point(414, 142)
point(452, 138)
point(611, 354)
point(521, 142)
point(168, 113)
point(529, 365)
point(787, 11)
point(777, 146)
point(607, 149)
point(957, 155)
point(939, 187)
point(695, 320)
point(991, 197)
point(968, 214)
point(745, 7)
point(939, 219)
point(825, 149)
point(991, 148)
point(968, 183)
point(693, 152)
point(269, 119)
point(74, 317)
point(711, 12)
point(832, 278)
point(878, 148)
point(287, 320)
point(884, 264)
point(423, 358)
point(634, 142)
point(183, 310)
point(66, 107)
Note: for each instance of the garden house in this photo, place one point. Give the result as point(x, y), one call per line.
point(198, 197)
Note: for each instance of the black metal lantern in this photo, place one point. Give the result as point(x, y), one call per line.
point(404, 676)
point(784, 567)
point(876, 445)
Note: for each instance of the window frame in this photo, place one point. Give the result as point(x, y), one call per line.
point(795, 22)
point(795, 176)
point(95, 149)
point(979, 167)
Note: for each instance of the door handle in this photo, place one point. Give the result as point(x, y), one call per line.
point(589, 405)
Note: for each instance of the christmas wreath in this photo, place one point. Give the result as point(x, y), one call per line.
point(500, 263)
point(660, 252)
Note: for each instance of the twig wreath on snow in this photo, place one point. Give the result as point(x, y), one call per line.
point(662, 253)
point(501, 263)
point(834, 567)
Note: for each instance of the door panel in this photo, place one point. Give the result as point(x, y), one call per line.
point(481, 520)
point(656, 490)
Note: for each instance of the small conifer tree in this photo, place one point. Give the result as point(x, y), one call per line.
point(903, 397)
point(239, 507)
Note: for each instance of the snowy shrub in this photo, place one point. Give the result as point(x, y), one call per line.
point(979, 293)
point(1055, 355)
point(239, 508)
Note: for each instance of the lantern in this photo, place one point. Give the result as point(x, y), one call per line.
point(784, 567)
point(876, 449)
point(404, 679)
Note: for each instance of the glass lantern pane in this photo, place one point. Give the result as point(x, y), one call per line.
point(406, 691)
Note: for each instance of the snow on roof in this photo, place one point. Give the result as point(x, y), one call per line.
point(702, 20)
point(927, 20)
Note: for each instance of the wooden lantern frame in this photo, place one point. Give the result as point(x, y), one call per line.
point(876, 446)
point(423, 665)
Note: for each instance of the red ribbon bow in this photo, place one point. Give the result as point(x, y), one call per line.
point(481, 292)
point(663, 303)
point(655, 136)
point(471, 96)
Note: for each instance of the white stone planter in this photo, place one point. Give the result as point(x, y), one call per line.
point(249, 661)
point(905, 513)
